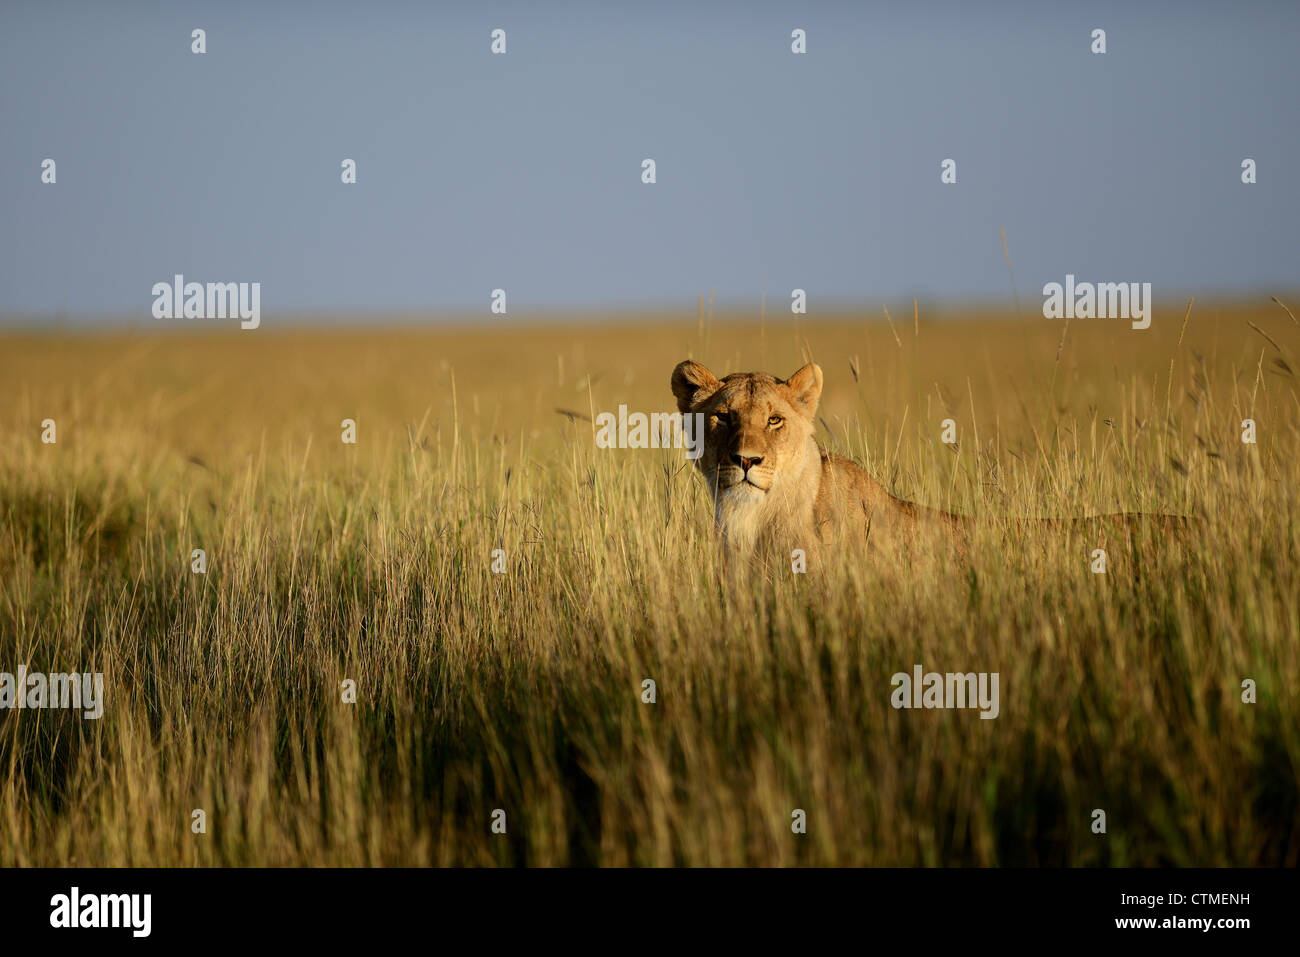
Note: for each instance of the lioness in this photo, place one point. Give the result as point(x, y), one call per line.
point(774, 486)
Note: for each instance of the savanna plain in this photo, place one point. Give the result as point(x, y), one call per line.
point(523, 689)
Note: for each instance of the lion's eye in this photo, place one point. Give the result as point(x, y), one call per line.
point(722, 418)
point(773, 421)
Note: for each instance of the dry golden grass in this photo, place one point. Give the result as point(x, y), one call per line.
point(522, 691)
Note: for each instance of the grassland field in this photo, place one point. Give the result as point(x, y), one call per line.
point(522, 691)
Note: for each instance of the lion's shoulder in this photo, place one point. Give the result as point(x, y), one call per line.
point(847, 487)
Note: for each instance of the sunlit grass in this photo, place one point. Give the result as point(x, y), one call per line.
point(522, 691)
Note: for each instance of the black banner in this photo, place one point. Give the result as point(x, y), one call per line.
point(330, 907)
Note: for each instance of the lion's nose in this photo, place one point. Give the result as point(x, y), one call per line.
point(745, 462)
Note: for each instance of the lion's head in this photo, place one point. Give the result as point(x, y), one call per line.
point(758, 430)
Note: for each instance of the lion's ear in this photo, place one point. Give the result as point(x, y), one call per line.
point(692, 384)
point(806, 388)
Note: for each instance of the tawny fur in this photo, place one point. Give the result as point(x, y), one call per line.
point(774, 486)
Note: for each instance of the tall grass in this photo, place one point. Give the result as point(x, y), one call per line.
point(523, 691)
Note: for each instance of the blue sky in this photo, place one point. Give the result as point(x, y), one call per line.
point(522, 171)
